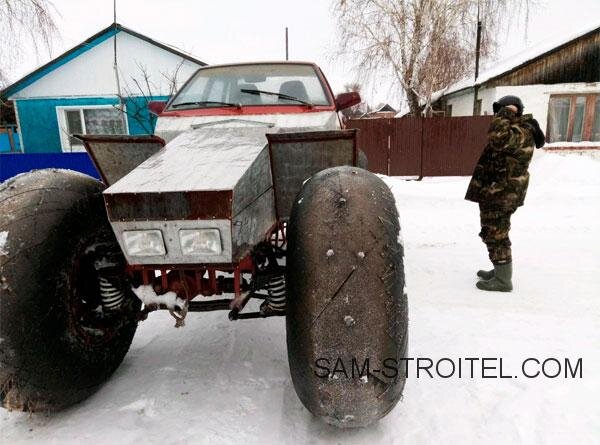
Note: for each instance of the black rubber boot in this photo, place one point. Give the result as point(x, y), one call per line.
point(502, 280)
point(485, 274)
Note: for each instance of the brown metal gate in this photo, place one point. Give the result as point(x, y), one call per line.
point(413, 146)
point(374, 139)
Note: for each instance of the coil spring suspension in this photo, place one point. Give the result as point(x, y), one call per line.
point(275, 301)
point(112, 297)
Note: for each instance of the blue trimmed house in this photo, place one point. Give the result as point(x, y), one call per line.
point(78, 92)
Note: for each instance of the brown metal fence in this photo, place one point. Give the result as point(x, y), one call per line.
point(413, 146)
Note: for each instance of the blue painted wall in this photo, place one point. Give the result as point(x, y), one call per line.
point(15, 163)
point(39, 122)
point(5, 142)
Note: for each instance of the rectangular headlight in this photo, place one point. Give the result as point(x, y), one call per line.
point(200, 241)
point(144, 242)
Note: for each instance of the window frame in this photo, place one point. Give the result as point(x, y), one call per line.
point(61, 114)
point(588, 116)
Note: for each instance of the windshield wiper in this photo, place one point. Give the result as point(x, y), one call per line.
point(205, 102)
point(280, 95)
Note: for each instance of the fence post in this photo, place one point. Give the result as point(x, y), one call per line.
point(422, 123)
point(389, 145)
point(11, 140)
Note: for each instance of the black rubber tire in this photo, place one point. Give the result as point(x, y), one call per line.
point(346, 297)
point(48, 361)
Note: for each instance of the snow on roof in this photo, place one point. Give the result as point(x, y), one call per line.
point(403, 111)
point(384, 107)
point(526, 56)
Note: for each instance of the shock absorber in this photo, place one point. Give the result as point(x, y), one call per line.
point(111, 297)
point(275, 301)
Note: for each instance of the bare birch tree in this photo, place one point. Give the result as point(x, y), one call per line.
point(423, 46)
point(24, 22)
point(139, 91)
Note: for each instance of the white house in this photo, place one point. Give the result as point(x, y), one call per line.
point(79, 91)
point(558, 82)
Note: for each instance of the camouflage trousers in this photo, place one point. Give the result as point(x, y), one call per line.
point(495, 225)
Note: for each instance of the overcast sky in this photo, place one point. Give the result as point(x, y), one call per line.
point(241, 30)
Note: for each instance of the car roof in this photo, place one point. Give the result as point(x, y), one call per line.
point(264, 62)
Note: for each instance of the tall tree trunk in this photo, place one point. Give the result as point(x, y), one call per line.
point(413, 103)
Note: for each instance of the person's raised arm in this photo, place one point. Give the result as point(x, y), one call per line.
point(501, 130)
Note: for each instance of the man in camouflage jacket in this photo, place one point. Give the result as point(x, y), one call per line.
point(499, 185)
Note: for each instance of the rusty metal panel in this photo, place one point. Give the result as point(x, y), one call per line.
point(374, 140)
point(405, 146)
point(193, 177)
point(213, 204)
point(253, 183)
point(451, 146)
point(250, 226)
point(115, 156)
point(295, 157)
point(253, 206)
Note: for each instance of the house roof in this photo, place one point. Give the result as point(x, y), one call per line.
point(89, 43)
point(385, 108)
point(517, 61)
point(382, 108)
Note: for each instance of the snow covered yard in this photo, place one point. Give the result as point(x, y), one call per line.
point(215, 381)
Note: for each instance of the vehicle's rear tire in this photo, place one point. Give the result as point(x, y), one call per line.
point(57, 343)
point(346, 302)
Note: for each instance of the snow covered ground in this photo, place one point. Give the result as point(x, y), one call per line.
point(215, 381)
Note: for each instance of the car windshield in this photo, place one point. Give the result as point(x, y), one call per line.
point(262, 84)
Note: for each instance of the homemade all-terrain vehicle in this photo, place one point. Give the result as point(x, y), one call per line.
point(249, 188)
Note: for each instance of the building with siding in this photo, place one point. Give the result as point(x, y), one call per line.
point(558, 82)
point(79, 91)
point(9, 137)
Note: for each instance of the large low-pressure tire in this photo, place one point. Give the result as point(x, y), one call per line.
point(346, 303)
point(58, 343)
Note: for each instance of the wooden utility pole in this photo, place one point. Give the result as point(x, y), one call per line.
point(116, 68)
point(287, 52)
point(477, 55)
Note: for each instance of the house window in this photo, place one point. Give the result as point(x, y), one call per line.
point(100, 119)
point(596, 126)
point(449, 110)
point(574, 118)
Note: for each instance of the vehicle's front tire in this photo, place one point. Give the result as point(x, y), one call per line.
point(346, 304)
point(58, 341)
